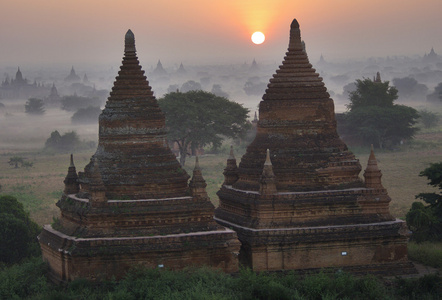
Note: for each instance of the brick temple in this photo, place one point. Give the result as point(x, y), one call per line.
point(133, 204)
point(296, 199)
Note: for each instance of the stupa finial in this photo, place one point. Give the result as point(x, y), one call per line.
point(197, 164)
point(231, 155)
point(72, 161)
point(129, 41)
point(267, 181)
point(268, 162)
point(295, 37)
point(71, 185)
point(295, 24)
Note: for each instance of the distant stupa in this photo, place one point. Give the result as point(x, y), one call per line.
point(159, 70)
point(72, 77)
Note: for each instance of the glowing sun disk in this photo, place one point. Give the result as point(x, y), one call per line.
point(258, 37)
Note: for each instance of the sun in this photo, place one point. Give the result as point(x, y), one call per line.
point(258, 37)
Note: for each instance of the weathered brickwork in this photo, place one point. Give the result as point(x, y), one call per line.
point(296, 200)
point(133, 205)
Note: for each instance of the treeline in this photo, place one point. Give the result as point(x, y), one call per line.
point(29, 281)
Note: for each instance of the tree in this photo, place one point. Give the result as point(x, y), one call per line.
point(254, 86)
point(18, 233)
point(198, 118)
point(34, 106)
point(428, 119)
point(373, 118)
point(436, 95)
point(410, 88)
point(66, 142)
point(217, 90)
point(426, 221)
point(372, 93)
point(190, 86)
point(74, 102)
point(86, 115)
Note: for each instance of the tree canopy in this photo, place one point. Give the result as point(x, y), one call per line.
point(426, 221)
point(66, 143)
point(198, 118)
point(74, 102)
point(18, 233)
point(34, 106)
point(86, 115)
point(373, 118)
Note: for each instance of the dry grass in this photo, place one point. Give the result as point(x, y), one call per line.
point(39, 187)
point(429, 254)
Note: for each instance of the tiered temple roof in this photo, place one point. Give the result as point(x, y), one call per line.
point(135, 161)
point(297, 123)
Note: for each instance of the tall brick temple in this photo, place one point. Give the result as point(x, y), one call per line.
point(133, 204)
point(296, 199)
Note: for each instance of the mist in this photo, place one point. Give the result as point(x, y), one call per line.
point(416, 78)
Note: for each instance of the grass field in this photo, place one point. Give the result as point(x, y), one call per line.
point(39, 187)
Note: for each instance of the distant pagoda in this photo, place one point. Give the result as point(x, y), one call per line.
point(133, 204)
point(72, 77)
point(296, 199)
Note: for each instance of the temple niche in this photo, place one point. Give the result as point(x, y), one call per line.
point(133, 204)
point(296, 199)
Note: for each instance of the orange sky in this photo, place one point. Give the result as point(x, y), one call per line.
point(213, 31)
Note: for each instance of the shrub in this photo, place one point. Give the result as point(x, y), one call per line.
point(25, 281)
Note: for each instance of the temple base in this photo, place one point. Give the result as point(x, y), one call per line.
point(376, 248)
point(105, 258)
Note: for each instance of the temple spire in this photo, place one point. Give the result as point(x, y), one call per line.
point(231, 170)
point(197, 184)
point(97, 189)
point(378, 77)
point(372, 174)
point(71, 185)
point(268, 181)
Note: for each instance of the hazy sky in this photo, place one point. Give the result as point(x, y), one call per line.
point(74, 32)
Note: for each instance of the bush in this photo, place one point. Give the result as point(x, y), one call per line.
point(28, 281)
point(25, 280)
point(426, 287)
